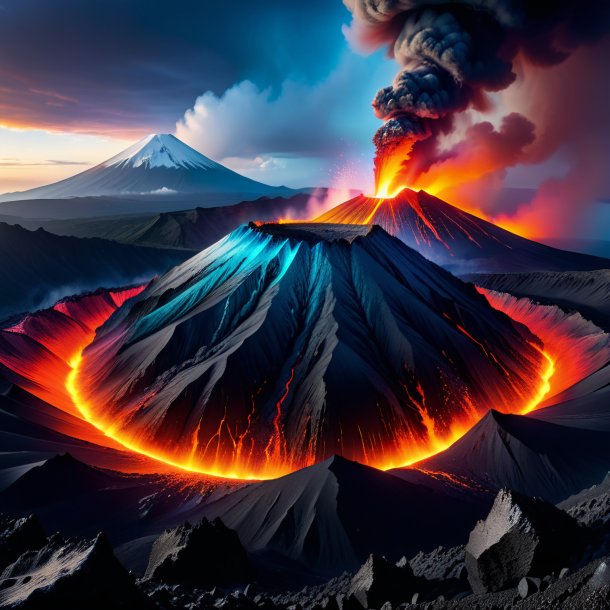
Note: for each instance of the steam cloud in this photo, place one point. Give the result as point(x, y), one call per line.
point(453, 55)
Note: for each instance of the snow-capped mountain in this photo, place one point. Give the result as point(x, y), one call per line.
point(282, 344)
point(159, 164)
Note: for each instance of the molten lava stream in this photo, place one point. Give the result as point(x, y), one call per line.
point(576, 346)
point(47, 363)
point(390, 454)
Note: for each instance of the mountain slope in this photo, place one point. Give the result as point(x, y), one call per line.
point(283, 344)
point(587, 292)
point(522, 453)
point(39, 268)
point(455, 239)
point(158, 164)
point(193, 229)
point(331, 516)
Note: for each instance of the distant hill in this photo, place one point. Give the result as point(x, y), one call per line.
point(38, 268)
point(193, 229)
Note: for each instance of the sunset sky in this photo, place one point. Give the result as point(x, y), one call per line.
point(278, 91)
point(80, 81)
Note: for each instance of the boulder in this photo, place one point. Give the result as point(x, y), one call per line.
point(378, 581)
point(521, 536)
point(18, 536)
point(205, 554)
point(71, 575)
point(528, 585)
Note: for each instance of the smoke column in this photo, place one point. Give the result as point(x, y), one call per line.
point(453, 57)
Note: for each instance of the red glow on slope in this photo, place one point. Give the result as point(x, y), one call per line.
point(578, 348)
point(32, 355)
point(455, 179)
point(38, 353)
point(275, 451)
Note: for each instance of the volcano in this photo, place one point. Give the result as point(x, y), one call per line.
point(456, 239)
point(159, 164)
point(283, 344)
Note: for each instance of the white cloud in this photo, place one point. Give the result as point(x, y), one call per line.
point(295, 134)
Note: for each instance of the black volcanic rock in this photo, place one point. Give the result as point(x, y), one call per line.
point(18, 536)
point(439, 564)
point(79, 500)
point(456, 239)
point(57, 479)
point(207, 553)
point(378, 581)
point(587, 292)
point(533, 457)
point(330, 517)
point(71, 575)
point(285, 343)
point(590, 506)
point(520, 537)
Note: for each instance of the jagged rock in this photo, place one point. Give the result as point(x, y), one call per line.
point(70, 575)
point(379, 581)
point(528, 585)
point(208, 553)
point(18, 536)
point(601, 576)
point(439, 564)
point(330, 603)
point(520, 537)
point(590, 506)
point(251, 590)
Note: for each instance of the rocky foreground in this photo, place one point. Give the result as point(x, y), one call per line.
point(527, 553)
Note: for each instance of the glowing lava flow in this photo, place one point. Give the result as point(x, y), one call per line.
point(85, 411)
point(70, 383)
point(438, 444)
point(578, 347)
point(435, 444)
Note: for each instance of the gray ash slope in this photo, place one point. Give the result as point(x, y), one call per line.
point(159, 164)
point(329, 517)
point(322, 339)
point(534, 457)
point(192, 229)
point(587, 292)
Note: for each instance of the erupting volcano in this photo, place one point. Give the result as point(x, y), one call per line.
point(283, 344)
point(455, 239)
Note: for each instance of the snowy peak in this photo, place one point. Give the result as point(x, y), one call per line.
point(160, 150)
point(160, 164)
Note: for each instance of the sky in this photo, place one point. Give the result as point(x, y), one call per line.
point(272, 89)
point(278, 91)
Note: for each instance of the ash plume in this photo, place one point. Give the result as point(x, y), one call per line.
point(453, 55)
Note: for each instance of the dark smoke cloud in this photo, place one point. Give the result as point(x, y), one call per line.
point(454, 54)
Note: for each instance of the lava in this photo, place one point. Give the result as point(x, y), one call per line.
point(389, 179)
point(37, 360)
point(404, 211)
point(576, 346)
point(215, 441)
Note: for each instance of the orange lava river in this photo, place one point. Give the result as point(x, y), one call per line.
point(42, 355)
